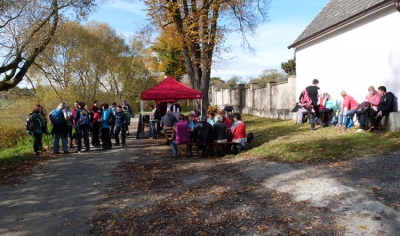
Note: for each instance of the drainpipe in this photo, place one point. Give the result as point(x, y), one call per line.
point(397, 4)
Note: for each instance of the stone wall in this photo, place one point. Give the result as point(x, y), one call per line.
point(273, 101)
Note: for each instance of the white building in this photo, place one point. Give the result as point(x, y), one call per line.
point(351, 45)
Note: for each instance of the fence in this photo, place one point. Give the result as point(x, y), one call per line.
point(274, 101)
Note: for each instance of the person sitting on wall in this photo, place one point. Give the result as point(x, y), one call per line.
point(302, 115)
point(347, 112)
point(331, 107)
point(374, 99)
point(386, 106)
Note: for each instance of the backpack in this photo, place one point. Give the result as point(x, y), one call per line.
point(305, 100)
point(128, 117)
point(363, 108)
point(57, 117)
point(96, 116)
point(30, 122)
point(111, 119)
point(250, 137)
point(84, 117)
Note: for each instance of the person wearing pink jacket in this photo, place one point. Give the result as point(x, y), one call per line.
point(374, 99)
point(348, 110)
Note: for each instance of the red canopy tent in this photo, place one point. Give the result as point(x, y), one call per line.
point(167, 90)
point(170, 88)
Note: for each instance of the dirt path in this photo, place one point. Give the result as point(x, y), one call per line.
point(142, 191)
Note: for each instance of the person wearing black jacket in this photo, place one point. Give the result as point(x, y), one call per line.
point(386, 106)
point(220, 136)
point(203, 134)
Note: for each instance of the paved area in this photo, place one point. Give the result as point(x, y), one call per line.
point(65, 196)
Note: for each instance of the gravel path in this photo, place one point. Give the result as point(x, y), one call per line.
point(74, 194)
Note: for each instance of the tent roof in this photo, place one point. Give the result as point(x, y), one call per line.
point(170, 88)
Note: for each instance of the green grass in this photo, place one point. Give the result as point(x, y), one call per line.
point(22, 151)
point(285, 141)
point(282, 141)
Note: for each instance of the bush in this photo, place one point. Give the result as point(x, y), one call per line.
point(10, 136)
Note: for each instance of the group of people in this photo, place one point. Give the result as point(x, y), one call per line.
point(325, 110)
point(216, 131)
point(102, 123)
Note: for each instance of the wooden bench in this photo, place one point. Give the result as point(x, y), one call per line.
point(212, 145)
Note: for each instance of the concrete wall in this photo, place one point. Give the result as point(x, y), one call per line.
point(273, 101)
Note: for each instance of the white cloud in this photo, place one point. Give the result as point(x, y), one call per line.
point(134, 7)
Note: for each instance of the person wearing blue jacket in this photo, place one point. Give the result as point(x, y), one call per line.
point(120, 123)
point(105, 127)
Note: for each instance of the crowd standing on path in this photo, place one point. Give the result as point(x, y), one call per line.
point(84, 127)
point(323, 110)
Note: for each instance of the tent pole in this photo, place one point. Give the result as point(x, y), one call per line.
point(201, 107)
point(141, 117)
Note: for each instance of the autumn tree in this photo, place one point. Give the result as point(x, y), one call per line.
point(92, 62)
point(202, 26)
point(170, 58)
point(26, 29)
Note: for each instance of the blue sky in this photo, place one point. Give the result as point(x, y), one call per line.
point(287, 19)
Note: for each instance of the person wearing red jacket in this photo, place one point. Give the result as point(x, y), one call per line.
point(239, 135)
point(348, 110)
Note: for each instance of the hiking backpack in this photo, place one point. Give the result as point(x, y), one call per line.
point(111, 119)
point(96, 116)
point(84, 117)
point(57, 117)
point(30, 122)
point(305, 100)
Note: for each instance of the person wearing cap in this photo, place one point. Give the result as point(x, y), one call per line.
point(59, 119)
point(203, 135)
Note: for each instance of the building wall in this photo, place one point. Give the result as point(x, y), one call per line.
point(354, 57)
